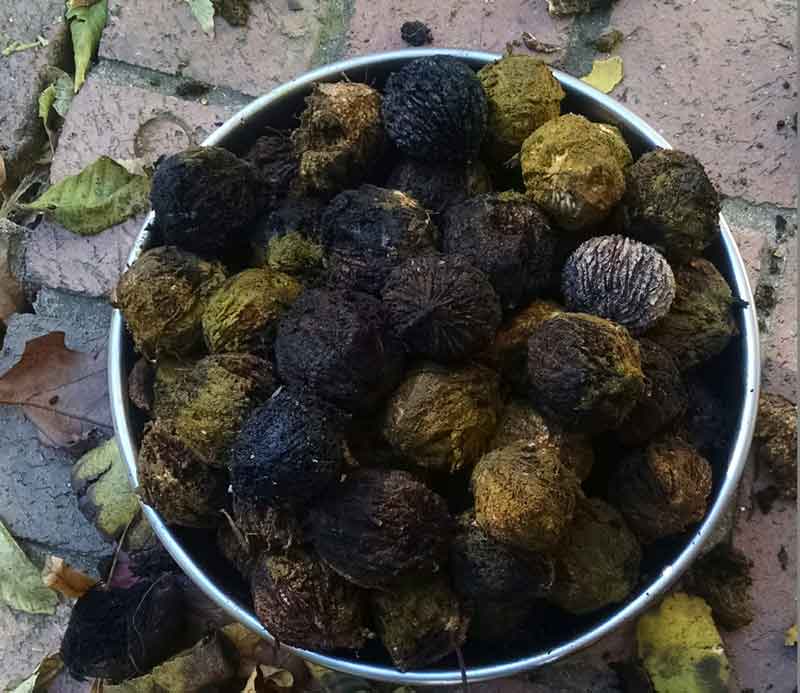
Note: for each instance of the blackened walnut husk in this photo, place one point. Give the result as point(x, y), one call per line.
point(619, 279)
point(434, 109)
point(506, 236)
point(442, 307)
point(443, 419)
point(369, 231)
point(277, 163)
point(662, 489)
point(337, 344)
point(585, 371)
point(664, 401)
point(302, 602)
point(776, 438)
point(287, 451)
point(204, 198)
point(436, 184)
point(524, 496)
point(140, 385)
point(598, 563)
point(117, 633)
point(419, 623)
point(182, 486)
point(671, 202)
point(705, 425)
point(416, 33)
point(700, 322)
point(379, 527)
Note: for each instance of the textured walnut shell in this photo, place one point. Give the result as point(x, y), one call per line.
point(302, 602)
point(508, 238)
point(379, 527)
point(434, 108)
point(585, 371)
point(776, 436)
point(278, 165)
point(662, 489)
point(442, 307)
point(619, 279)
point(337, 345)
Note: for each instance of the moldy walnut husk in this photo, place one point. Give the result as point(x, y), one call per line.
point(341, 136)
point(776, 437)
point(277, 163)
point(598, 563)
point(419, 623)
point(443, 419)
point(434, 109)
point(619, 279)
point(163, 296)
point(671, 203)
point(302, 602)
point(522, 95)
point(183, 487)
point(207, 400)
point(584, 371)
point(119, 633)
point(442, 307)
point(664, 401)
point(519, 421)
point(242, 315)
point(508, 353)
point(336, 344)
point(438, 184)
point(662, 489)
point(574, 169)
point(508, 238)
point(700, 322)
point(204, 198)
point(287, 451)
point(524, 496)
point(371, 230)
point(380, 527)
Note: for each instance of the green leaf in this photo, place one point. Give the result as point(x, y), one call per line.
point(203, 11)
point(65, 91)
point(86, 25)
point(605, 75)
point(46, 100)
point(46, 671)
point(100, 196)
point(57, 96)
point(21, 585)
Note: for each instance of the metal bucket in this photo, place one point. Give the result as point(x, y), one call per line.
point(741, 365)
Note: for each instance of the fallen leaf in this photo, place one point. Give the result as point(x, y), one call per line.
point(2, 172)
point(46, 100)
point(61, 577)
point(265, 678)
point(72, 4)
point(86, 24)
point(47, 670)
point(100, 196)
point(63, 392)
point(21, 585)
point(19, 46)
point(203, 11)
point(680, 647)
point(534, 44)
point(791, 637)
point(605, 75)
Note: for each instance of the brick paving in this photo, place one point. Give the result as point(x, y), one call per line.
point(716, 77)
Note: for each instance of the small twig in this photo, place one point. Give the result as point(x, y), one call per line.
point(120, 544)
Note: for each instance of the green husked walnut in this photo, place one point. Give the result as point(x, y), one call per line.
point(585, 372)
point(671, 203)
point(700, 323)
point(521, 422)
point(662, 489)
point(574, 169)
point(443, 419)
point(183, 487)
point(664, 400)
point(598, 563)
point(381, 527)
point(303, 603)
point(524, 496)
point(776, 437)
point(522, 95)
point(162, 297)
point(294, 254)
point(242, 315)
point(508, 238)
point(419, 623)
point(340, 137)
point(508, 353)
point(207, 401)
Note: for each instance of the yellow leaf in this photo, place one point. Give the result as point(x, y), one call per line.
point(61, 577)
point(605, 75)
point(791, 637)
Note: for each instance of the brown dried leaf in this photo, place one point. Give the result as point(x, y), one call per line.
point(63, 578)
point(63, 392)
point(2, 172)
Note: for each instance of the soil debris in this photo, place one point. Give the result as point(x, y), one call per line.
point(416, 33)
